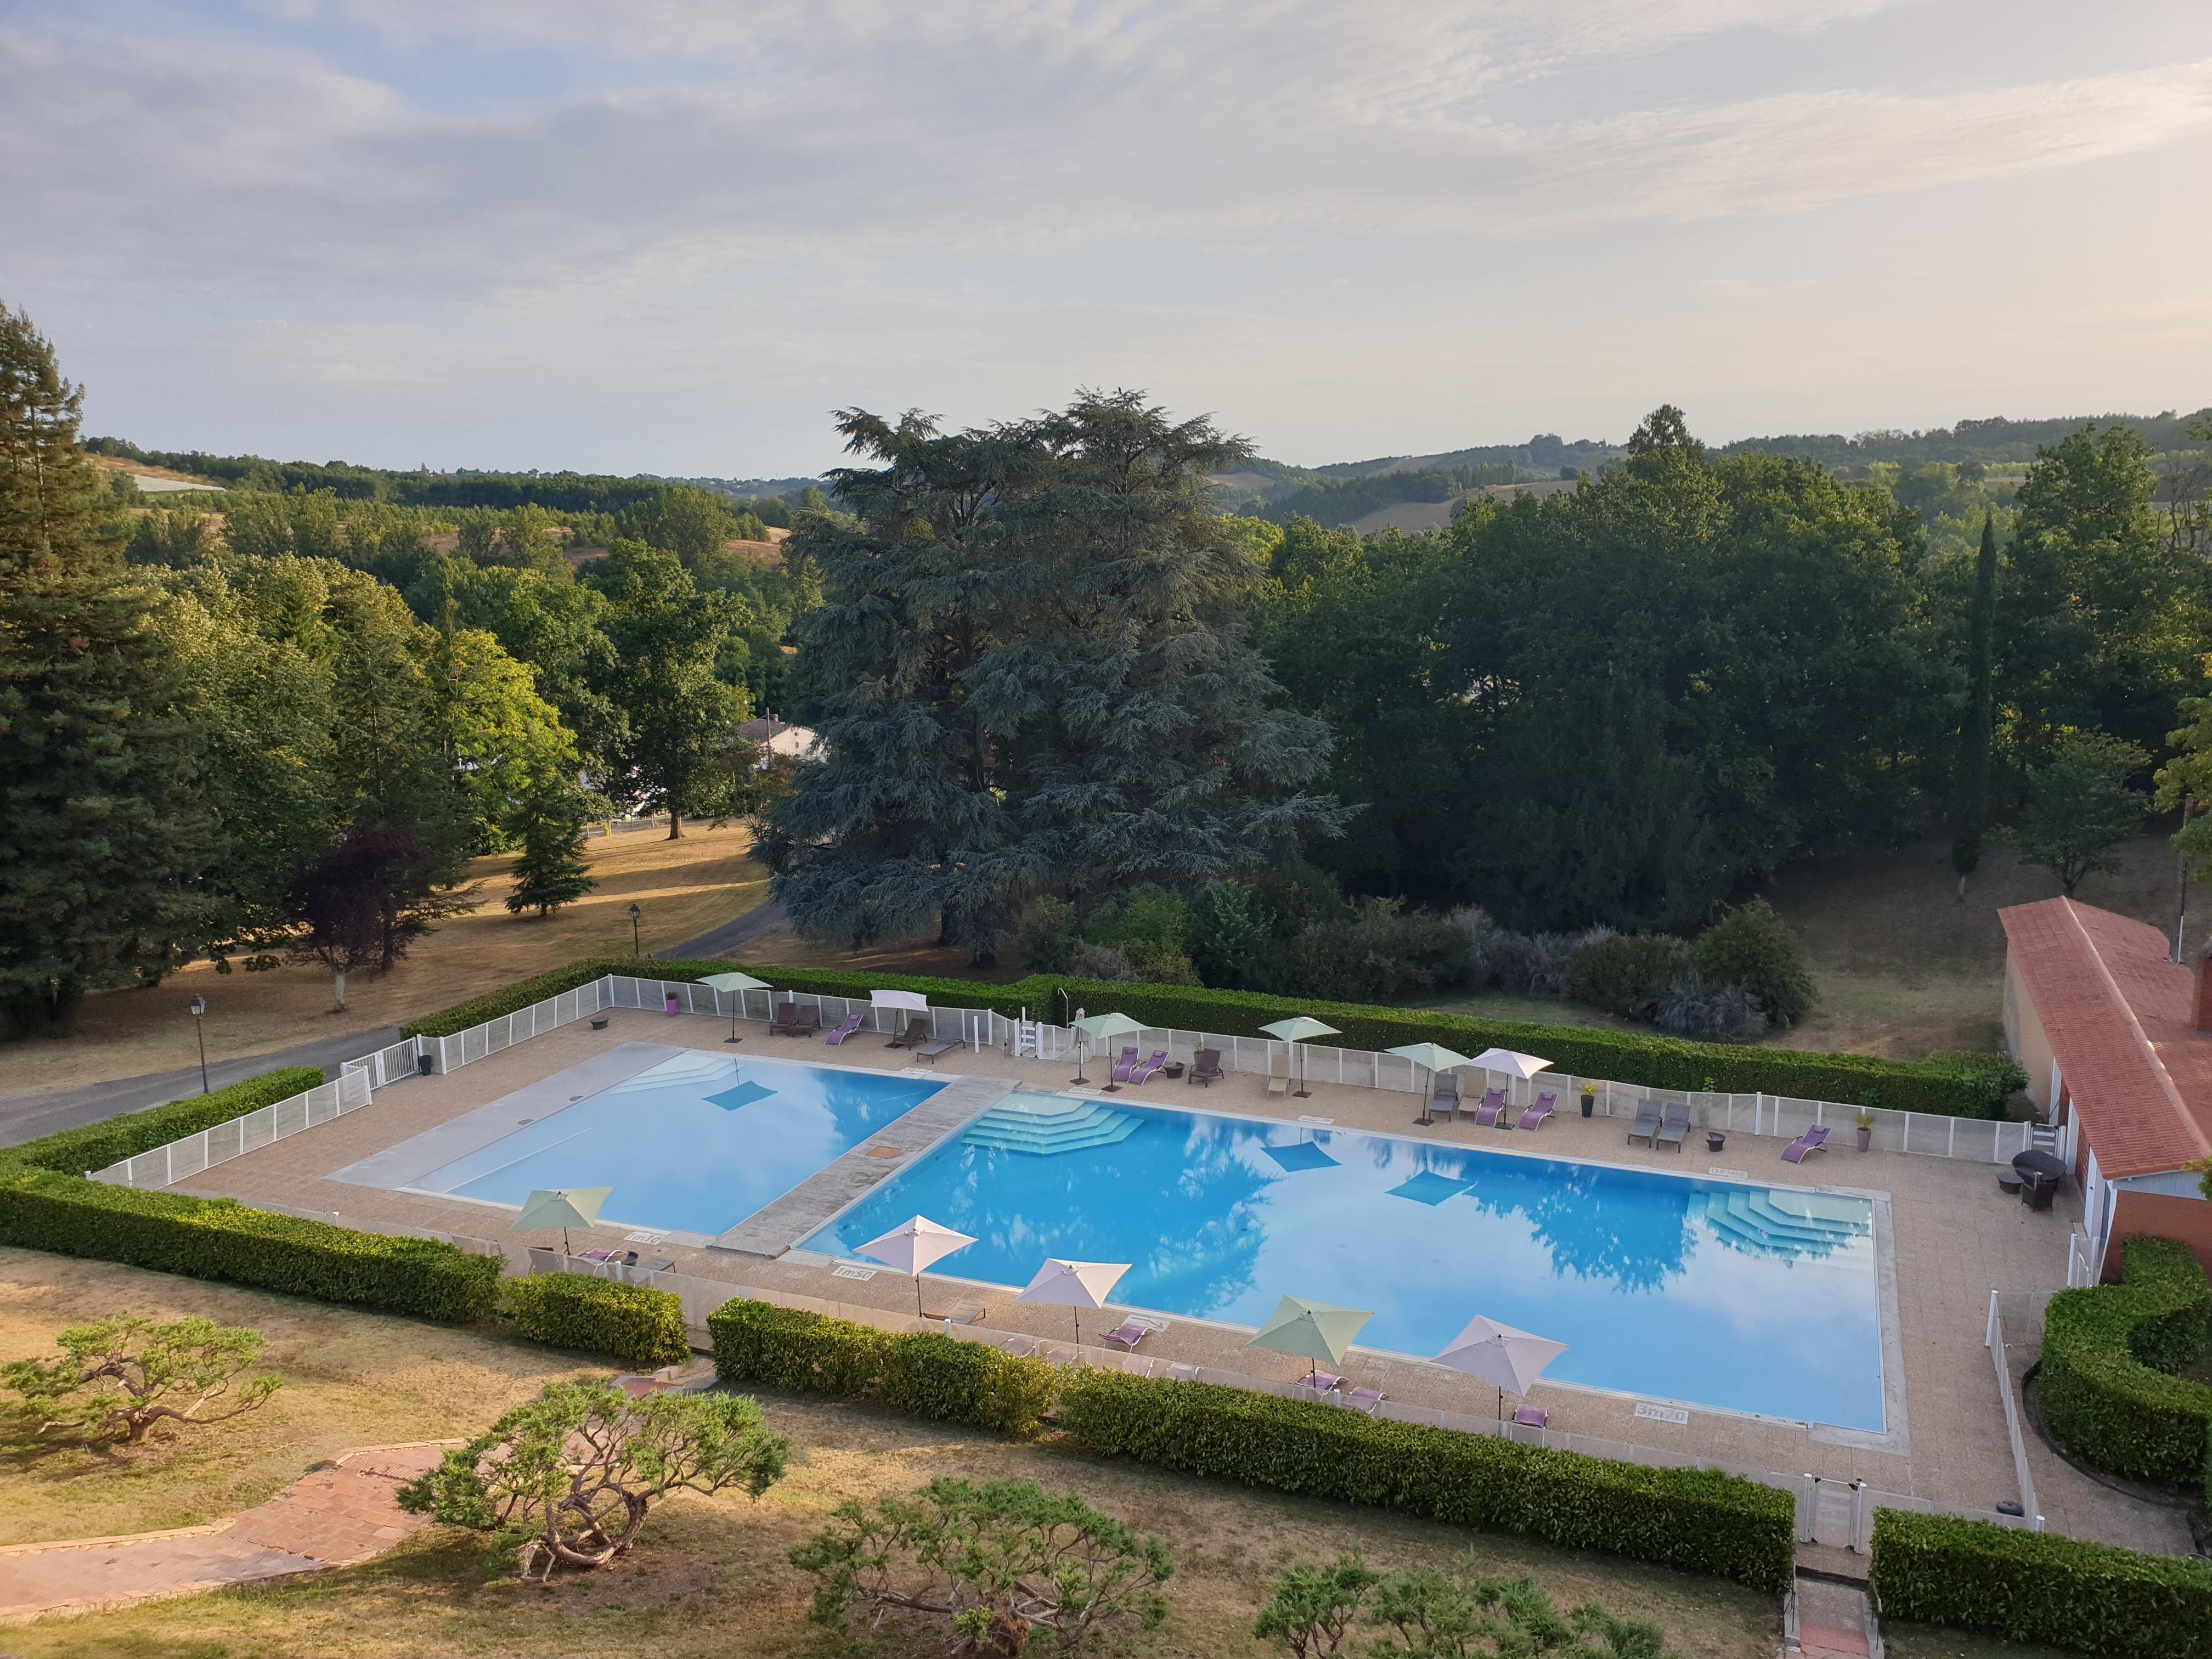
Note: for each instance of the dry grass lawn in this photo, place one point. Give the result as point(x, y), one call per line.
point(682, 887)
point(710, 1577)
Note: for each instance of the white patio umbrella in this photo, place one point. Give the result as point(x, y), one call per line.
point(1102, 1028)
point(1500, 1355)
point(561, 1206)
point(1436, 1059)
point(1522, 1066)
point(1297, 1031)
point(1077, 1285)
point(735, 985)
point(912, 1247)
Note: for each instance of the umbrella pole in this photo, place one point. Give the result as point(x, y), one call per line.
point(1079, 1077)
point(917, 1296)
point(1425, 1118)
point(736, 1001)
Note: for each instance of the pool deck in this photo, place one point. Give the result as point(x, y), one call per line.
point(1954, 1238)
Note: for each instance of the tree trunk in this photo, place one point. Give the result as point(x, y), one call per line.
point(338, 990)
point(674, 825)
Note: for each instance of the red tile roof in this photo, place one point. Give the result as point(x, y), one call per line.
point(2120, 1019)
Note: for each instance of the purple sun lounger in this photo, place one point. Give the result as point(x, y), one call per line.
point(1124, 1065)
point(837, 1037)
point(1492, 1110)
point(1140, 1073)
point(1534, 1116)
point(1812, 1140)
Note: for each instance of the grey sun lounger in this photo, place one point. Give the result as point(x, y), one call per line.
point(930, 1051)
point(1647, 1121)
point(1677, 1125)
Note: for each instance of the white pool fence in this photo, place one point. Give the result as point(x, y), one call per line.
point(349, 1093)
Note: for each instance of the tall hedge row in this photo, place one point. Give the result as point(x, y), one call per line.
point(1958, 1085)
point(2110, 1352)
point(1695, 1520)
point(96, 1145)
point(2040, 1587)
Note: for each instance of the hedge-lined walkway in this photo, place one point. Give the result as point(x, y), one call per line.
point(336, 1515)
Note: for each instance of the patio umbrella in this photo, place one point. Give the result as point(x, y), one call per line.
point(735, 985)
point(561, 1206)
point(1522, 1066)
point(1436, 1059)
point(1499, 1354)
point(1295, 1031)
point(911, 1248)
point(1077, 1285)
point(1102, 1027)
point(1313, 1331)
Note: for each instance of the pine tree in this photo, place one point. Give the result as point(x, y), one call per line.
point(552, 872)
point(101, 833)
point(1971, 811)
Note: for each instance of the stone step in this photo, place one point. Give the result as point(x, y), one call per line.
point(1046, 1128)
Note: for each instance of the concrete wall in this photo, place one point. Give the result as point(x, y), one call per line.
point(2189, 1219)
point(2024, 1037)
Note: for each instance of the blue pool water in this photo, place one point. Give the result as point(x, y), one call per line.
point(695, 1144)
point(1712, 1293)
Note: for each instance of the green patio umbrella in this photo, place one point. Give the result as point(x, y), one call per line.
point(1313, 1331)
point(735, 985)
point(561, 1206)
point(1102, 1027)
point(1436, 1059)
point(1295, 1031)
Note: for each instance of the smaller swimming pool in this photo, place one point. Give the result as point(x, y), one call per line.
point(695, 1144)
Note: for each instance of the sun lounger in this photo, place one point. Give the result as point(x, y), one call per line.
point(1445, 1097)
point(1278, 1082)
point(1125, 1065)
point(1534, 1116)
point(837, 1037)
point(1180, 1372)
point(1532, 1417)
point(1144, 1072)
point(1676, 1125)
point(916, 1033)
point(1130, 1332)
point(1363, 1399)
point(1492, 1110)
point(1814, 1140)
point(1319, 1384)
point(1647, 1121)
point(795, 1020)
point(1206, 1066)
point(1022, 1346)
point(596, 1255)
point(931, 1051)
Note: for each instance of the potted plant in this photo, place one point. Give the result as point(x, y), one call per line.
point(1589, 1098)
point(1866, 1129)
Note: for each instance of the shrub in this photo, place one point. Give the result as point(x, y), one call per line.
point(1708, 1011)
point(1101, 962)
point(220, 1239)
point(2040, 1587)
point(1228, 930)
point(1483, 936)
point(136, 1374)
point(2109, 1350)
point(1533, 964)
point(925, 1375)
point(1046, 935)
point(1623, 974)
point(1374, 950)
point(1752, 946)
point(1698, 1520)
point(1441, 1612)
point(633, 1324)
point(96, 1145)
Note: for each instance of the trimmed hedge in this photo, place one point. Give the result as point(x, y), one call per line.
point(2109, 1352)
point(218, 1238)
point(2039, 1587)
point(938, 1377)
point(1696, 1520)
point(1958, 1085)
point(96, 1145)
point(633, 1323)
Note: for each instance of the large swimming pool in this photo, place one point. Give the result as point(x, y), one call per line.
point(695, 1144)
point(1708, 1292)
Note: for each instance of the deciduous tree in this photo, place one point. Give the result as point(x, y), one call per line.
point(2080, 807)
point(122, 1377)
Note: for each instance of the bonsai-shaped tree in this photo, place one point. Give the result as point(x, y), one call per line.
point(118, 1378)
point(1441, 1612)
point(2079, 808)
point(567, 1479)
point(552, 872)
point(997, 1562)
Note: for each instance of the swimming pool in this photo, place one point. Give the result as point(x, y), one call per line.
point(695, 1144)
point(1708, 1292)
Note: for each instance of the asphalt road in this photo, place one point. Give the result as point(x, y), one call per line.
point(730, 935)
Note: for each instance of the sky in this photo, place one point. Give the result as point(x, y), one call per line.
point(674, 236)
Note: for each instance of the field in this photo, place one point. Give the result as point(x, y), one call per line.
point(683, 888)
point(709, 1577)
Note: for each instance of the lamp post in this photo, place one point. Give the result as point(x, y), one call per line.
point(199, 1008)
point(633, 931)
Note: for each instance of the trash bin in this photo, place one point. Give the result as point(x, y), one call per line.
point(423, 1063)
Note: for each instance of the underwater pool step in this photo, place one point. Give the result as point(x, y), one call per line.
point(1790, 1227)
point(1046, 1128)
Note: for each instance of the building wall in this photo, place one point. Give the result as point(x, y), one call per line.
point(2189, 1219)
point(2024, 1037)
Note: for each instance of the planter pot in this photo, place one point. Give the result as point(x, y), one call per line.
point(1588, 1101)
point(1866, 1140)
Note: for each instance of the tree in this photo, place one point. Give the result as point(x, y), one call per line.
point(1312, 1610)
point(1752, 947)
point(997, 1562)
point(1970, 811)
point(102, 833)
point(365, 900)
point(568, 1478)
point(501, 738)
point(1229, 931)
point(2080, 807)
point(552, 872)
point(1441, 1612)
point(134, 1374)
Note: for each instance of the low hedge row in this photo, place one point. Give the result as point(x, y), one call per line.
point(218, 1238)
point(1958, 1085)
point(96, 1145)
point(938, 1377)
point(2109, 1351)
point(633, 1323)
point(1695, 1520)
point(2039, 1587)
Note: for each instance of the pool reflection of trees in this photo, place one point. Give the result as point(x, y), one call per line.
point(1638, 1244)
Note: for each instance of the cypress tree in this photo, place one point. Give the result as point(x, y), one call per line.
point(1971, 808)
point(552, 872)
point(101, 833)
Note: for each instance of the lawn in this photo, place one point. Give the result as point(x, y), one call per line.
point(682, 888)
point(709, 1577)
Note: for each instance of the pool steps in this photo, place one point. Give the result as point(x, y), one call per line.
point(1799, 1223)
point(1045, 1126)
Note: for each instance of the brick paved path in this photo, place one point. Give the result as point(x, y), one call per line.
point(338, 1513)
